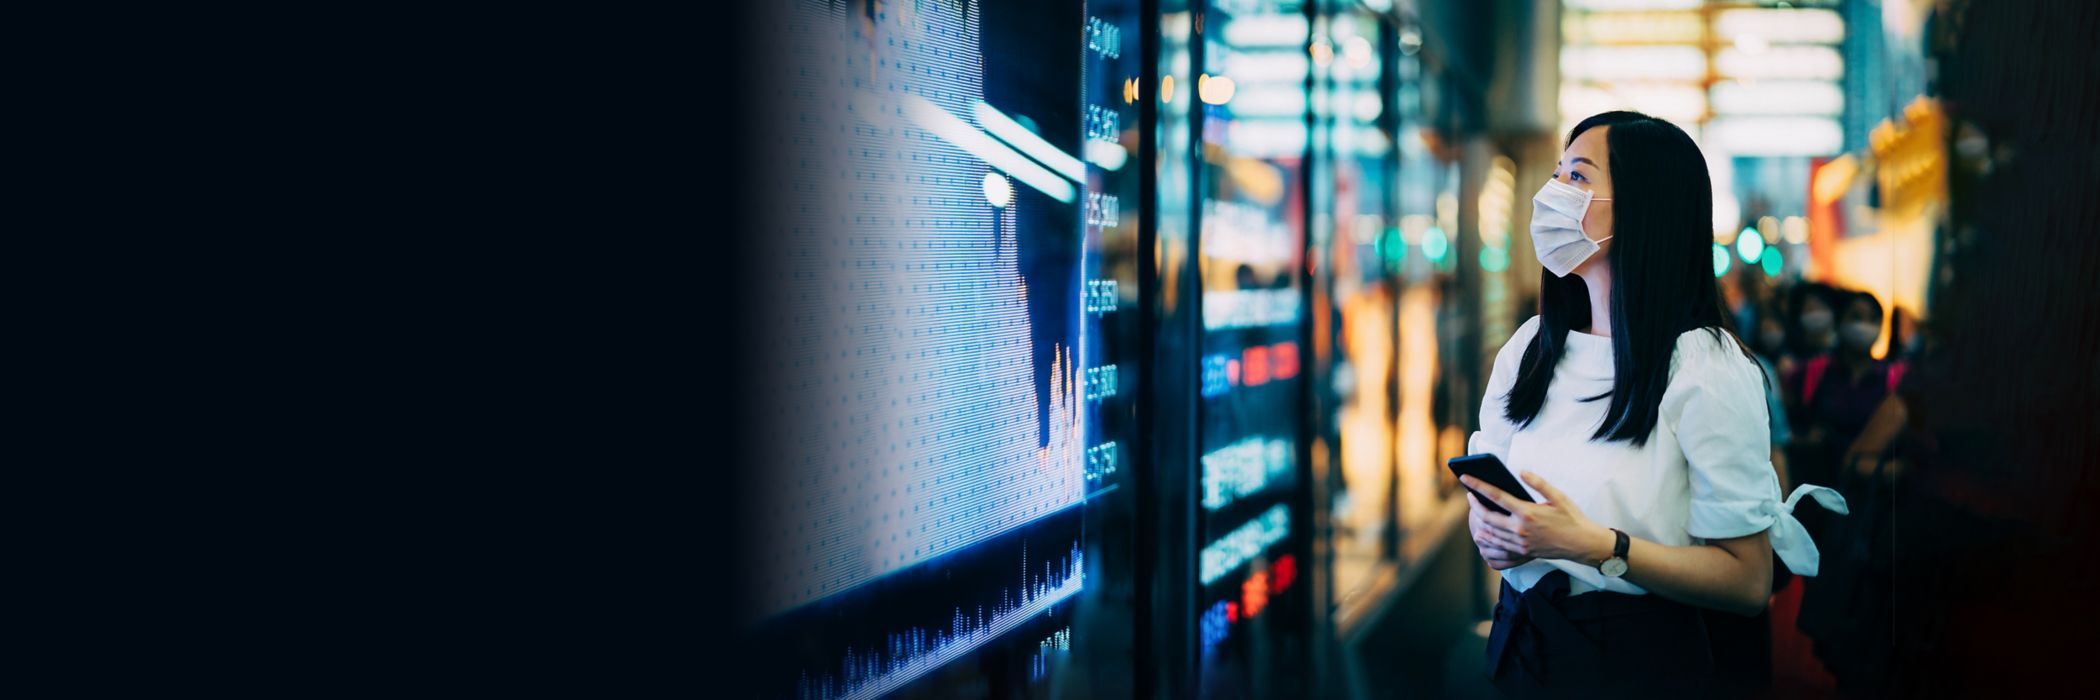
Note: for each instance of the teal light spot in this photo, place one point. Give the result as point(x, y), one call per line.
point(1720, 260)
point(1750, 244)
point(1774, 262)
point(1392, 249)
point(1494, 259)
point(1435, 245)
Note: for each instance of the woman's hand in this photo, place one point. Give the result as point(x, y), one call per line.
point(1555, 529)
point(1497, 558)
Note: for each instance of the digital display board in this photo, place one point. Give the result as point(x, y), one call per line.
point(1252, 101)
point(958, 345)
point(947, 406)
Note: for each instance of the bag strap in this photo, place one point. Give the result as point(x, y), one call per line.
point(1812, 375)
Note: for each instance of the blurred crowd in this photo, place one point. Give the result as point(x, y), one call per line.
point(1830, 373)
point(1835, 359)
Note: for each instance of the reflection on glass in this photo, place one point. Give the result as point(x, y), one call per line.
point(1250, 90)
point(1430, 315)
point(1353, 222)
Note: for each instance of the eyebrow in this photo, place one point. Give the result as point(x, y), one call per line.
point(1580, 159)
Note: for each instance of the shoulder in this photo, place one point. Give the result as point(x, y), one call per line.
point(1522, 338)
point(1512, 352)
point(1711, 373)
point(1712, 353)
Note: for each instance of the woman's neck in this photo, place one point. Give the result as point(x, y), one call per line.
point(1596, 277)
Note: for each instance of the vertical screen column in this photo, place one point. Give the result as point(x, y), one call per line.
point(1112, 119)
point(1252, 95)
point(1112, 83)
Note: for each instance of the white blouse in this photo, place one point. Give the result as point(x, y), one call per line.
point(1705, 473)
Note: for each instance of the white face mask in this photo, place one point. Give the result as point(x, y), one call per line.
point(1772, 340)
point(1815, 322)
point(1860, 335)
point(1556, 227)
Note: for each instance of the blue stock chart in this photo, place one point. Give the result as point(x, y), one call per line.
point(946, 412)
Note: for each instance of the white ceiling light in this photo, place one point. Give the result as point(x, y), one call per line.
point(1681, 63)
point(1781, 63)
point(1778, 97)
point(1776, 136)
point(1795, 26)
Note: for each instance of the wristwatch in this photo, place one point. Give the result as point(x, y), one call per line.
point(1616, 565)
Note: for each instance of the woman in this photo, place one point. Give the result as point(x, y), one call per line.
point(1639, 425)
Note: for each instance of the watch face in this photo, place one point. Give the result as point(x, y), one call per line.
point(1614, 567)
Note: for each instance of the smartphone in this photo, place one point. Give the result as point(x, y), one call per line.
point(1486, 467)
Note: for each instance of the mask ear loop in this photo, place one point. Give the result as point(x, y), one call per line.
point(1586, 215)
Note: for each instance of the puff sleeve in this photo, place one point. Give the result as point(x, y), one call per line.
point(1715, 405)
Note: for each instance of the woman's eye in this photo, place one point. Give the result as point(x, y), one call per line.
point(1579, 178)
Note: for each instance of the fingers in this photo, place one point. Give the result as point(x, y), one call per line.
point(1505, 523)
point(1493, 532)
point(1499, 559)
point(1508, 502)
point(1502, 541)
point(1474, 507)
point(1488, 536)
point(1553, 495)
point(1500, 549)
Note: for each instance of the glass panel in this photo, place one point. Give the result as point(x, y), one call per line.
point(1355, 228)
point(1433, 393)
point(1252, 599)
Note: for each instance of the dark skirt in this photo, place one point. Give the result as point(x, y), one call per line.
point(1548, 643)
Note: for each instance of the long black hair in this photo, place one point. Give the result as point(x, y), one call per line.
point(1661, 257)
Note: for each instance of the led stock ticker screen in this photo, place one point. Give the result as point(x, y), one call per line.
point(941, 504)
point(1250, 101)
point(945, 501)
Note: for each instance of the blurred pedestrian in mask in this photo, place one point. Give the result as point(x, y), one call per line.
point(1769, 339)
point(1815, 321)
point(1811, 332)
